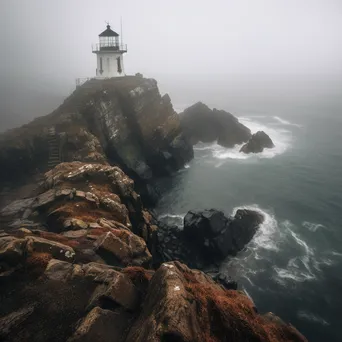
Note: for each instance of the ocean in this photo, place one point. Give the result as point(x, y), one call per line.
point(293, 265)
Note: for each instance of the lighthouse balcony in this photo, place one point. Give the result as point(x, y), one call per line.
point(110, 47)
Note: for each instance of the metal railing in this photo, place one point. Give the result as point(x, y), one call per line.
point(82, 80)
point(109, 47)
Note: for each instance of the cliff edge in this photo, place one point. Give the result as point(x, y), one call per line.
point(122, 121)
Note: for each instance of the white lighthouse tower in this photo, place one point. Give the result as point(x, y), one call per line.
point(109, 52)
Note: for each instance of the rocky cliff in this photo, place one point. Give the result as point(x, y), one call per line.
point(121, 121)
point(78, 248)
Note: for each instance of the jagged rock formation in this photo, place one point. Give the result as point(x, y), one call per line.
point(200, 123)
point(96, 302)
point(74, 241)
point(91, 207)
point(124, 121)
point(208, 236)
point(257, 143)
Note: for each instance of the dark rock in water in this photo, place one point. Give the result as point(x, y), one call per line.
point(202, 226)
point(200, 123)
point(257, 143)
point(208, 236)
point(244, 226)
point(219, 236)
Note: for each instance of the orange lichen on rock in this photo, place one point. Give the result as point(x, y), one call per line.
point(187, 305)
point(37, 262)
point(59, 238)
point(138, 274)
point(229, 315)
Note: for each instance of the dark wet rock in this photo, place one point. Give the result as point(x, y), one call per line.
point(210, 231)
point(257, 143)
point(200, 123)
point(207, 238)
point(226, 281)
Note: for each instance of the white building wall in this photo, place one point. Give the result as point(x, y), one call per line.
point(109, 64)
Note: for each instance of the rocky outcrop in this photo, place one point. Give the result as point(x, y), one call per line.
point(200, 123)
point(208, 236)
point(89, 211)
point(257, 143)
point(75, 240)
point(124, 121)
point(97, 302)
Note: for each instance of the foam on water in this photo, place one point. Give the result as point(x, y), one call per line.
point(313, 227)
point(285, 122)
point(281, 137)
point(300, 267)
point(311, 317)
point(172, 219)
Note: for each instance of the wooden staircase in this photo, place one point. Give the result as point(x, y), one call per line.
point(54, 148)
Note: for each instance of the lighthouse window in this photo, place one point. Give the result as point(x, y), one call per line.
point(119, 65)
point(101, 70)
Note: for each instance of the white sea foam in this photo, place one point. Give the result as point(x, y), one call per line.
point(300, 267)
point(281, 137)
point(176, 219)
point(285, 122)
point(311, 317)
point(268, 234)
point(313, 227)
point(283, 275)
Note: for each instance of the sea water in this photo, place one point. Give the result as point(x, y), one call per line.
point(293, 265)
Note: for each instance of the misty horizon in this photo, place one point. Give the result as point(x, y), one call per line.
point(195, 50)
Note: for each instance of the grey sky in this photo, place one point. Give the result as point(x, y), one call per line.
point(44, 41)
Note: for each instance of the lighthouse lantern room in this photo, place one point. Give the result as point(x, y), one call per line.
point(109, 52)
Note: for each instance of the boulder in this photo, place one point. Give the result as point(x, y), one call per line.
point(117, 290)
point(57, 250)
point(200, 123)
point(102, 325)
point(243, 227)
point(207, 238)
point(205, 224)
point(11, 250)
point(123, 248)
point(257, 143)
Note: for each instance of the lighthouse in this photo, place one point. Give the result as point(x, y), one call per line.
point(109, 52)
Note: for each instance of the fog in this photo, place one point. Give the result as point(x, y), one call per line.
point(230, 53)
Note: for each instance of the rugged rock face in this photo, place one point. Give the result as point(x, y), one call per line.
point(74, 241)
point(97, 302)
point(92, 208)
point(200, 123)
point(208, 236)
point(124, 121)
point(257, 143)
